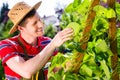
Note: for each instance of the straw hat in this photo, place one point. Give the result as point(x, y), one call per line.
point(18, 12)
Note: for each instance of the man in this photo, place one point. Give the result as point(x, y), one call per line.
point(25, 54)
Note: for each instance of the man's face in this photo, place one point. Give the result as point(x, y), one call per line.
point(34, 26)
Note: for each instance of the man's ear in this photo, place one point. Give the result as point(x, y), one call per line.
point(20, 28)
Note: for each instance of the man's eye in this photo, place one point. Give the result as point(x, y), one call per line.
point(41, 20)
point(35, 23)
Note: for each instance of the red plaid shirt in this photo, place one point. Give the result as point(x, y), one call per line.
point(10, 48)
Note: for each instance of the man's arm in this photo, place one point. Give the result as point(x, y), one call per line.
point(27, 68)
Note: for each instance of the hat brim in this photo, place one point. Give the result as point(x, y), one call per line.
point(14, 28)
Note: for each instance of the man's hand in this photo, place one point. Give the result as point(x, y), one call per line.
point(62, 36)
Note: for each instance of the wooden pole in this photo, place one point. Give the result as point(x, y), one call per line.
point(85, 38)
point(113, 42)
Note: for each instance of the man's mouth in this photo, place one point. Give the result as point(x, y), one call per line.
point(40, 30)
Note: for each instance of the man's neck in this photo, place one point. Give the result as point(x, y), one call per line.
point(30, 40)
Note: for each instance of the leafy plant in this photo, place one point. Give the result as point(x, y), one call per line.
point(50, 31)
point(4, 30)
point(93, 63)
point(118, 40)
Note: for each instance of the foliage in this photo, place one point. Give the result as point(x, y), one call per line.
point(117, 6)
point(49, 31)
point(96, 64)
point(2, 76)
point(118, 40)
point(4, 30)
point(118, 34)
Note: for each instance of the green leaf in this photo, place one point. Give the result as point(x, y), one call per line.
point(76, 3)
point(118, 40)
point(106, 69)
point(117, 9)
point(104, 12)
point(70, 8)
point(70, 76)
point(110, 13)
point(101, 45)
point(75, 26)
point(85, 70)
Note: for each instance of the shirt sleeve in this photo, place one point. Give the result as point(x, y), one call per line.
point(45, 41)
point(7, 51)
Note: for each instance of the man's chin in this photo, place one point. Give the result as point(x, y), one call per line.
point(40, 34)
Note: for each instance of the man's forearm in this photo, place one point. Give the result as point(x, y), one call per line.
point(39, 60)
